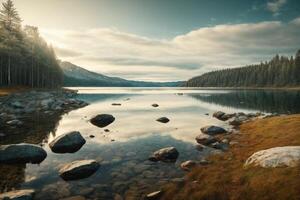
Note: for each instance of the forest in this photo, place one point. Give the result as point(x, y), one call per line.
point(281, 71)
point(25, 57)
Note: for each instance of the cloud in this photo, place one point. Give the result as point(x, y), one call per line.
point(275, 6)
point(113, 52)
point(61, 52)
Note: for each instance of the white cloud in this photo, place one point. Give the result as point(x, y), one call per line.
point(275, 6)
point(112, 52)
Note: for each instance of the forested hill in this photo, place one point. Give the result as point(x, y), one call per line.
point(279, 72)
point(25, 57)
point(75, 76)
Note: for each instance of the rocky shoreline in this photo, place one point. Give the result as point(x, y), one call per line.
point(18, 108)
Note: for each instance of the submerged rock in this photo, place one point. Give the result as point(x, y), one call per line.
point(222, 116)
point(14, 122)
point(102, 120)
point(79, 169)
point(21, 153)
point(288, 156)
point(213, 130)
point(169, 154)
point(67, 143)
point(17, 195)
point(205, 139)
point(163, 120)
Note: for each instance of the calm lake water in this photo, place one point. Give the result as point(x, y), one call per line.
point(135, 134)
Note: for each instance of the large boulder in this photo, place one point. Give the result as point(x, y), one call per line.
point(67, 143)
point(21, 153)
point(288, 156)
point(79, 169)
point(213, 130)
point(169, 154)
point(163, 120)
point(205, 139)
point(102, 120)
point(17, 195)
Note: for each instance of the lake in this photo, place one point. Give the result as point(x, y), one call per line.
point(123, 151)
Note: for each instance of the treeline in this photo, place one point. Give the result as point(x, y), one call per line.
point(25, 57)
point(279, 72)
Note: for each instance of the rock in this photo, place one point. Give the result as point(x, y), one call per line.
point(222, 116)
point(74, 198)
point(238, 120)
point(163, 120)
point(21, 153)
point(92, 136)
point(18, 195)
point(188, 165)
point(116, 104)
point(102, 120)
point(287, 156)
point(17, 104)
point(79, 169)
point(14, 122)
point(213, 130)
point(2, 135)
point(169, 154)
point(106, 130)
point(218, 114)
point(67, 143)
point(220, 145)
point(205, 139)
point(155, 105)
point(154, 195)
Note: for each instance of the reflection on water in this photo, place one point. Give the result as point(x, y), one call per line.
point(266, 101)
point(123, 151)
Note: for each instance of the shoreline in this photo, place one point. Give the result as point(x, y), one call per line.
point(235, 181)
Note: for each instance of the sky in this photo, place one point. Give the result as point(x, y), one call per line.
point(165, 40)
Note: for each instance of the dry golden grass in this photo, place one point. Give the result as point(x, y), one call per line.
point(227, 179)
point(9, 90)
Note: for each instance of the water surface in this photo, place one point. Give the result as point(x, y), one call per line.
point(135, 134)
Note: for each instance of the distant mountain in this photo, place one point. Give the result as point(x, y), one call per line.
point(75, 76)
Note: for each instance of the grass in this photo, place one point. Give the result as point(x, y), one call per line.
point(226, 178)
point(9, 90)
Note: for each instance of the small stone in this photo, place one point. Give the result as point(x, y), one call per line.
point(205, 139)
point(92, 136)
point(154, 195)
point(155, 105)
point(163, 120)
point(116, 104)
point(213, 130)
point(17, 195)
point(188, 165)
point(169, 154)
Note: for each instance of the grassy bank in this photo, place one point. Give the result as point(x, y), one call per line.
point(226, 178)
point(9, 90)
